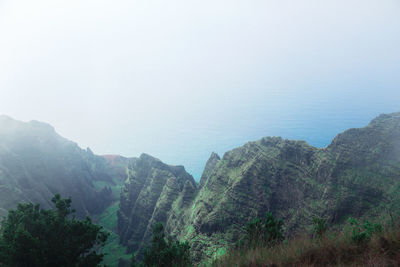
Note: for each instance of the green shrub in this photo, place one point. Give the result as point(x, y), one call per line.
point(164, 252)
point(273, 228)
point(319, 226)
point(263, 232)
point(362, 233)
point(31, 236)
point(254, 232)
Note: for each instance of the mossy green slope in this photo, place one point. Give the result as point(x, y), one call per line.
point(36, 163)
point(147, 198)
point(357, 175)
point(269, 175)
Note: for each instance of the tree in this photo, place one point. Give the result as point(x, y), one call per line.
point(164, 252)
point(273, 228)
point(31, 236)
point(265, 232)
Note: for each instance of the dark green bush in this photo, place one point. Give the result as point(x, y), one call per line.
point(319, 226)
point(273, 228)
point(263, 232)
point(363, 233)
point(31, 237)
point(164, 252)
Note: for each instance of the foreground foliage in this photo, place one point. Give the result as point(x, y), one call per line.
point(266, 232)
point(32, 237)
point(164, 251)
point(355, 245)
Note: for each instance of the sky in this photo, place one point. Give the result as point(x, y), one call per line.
point(180, 79)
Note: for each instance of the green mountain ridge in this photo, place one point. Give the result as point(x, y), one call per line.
point(151, 188)
point(36, 163)
point(357, 175)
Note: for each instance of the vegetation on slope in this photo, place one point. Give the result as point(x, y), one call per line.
point(163, 251)
point(149, 193)
point(36, 163)
point(114, 252)
point(35, 237)
point(356, 175)
point(354, 245)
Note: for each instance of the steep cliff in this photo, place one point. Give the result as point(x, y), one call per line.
point(36, 163)
point(147, 198)
point(357, 175)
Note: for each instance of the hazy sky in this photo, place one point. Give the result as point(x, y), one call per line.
point(179, 79)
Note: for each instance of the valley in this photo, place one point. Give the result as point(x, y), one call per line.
point(357, 175)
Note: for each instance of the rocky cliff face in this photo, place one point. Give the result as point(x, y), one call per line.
point(357, 175)
point(151, 190)
point(36, 163)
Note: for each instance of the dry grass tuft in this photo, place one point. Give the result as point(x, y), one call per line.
point(333, 249)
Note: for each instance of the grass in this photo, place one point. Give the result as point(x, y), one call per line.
point(108, 218)
point(335, 248)
point(113, 250)
point(115, 186)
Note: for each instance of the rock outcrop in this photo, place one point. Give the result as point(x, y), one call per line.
point(357, 175)
point(148, 196)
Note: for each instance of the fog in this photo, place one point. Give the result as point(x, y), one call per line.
point(179, 79)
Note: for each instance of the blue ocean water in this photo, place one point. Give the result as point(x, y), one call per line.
point(316, 122)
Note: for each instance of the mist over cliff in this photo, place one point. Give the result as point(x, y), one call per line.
point(356, 175)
